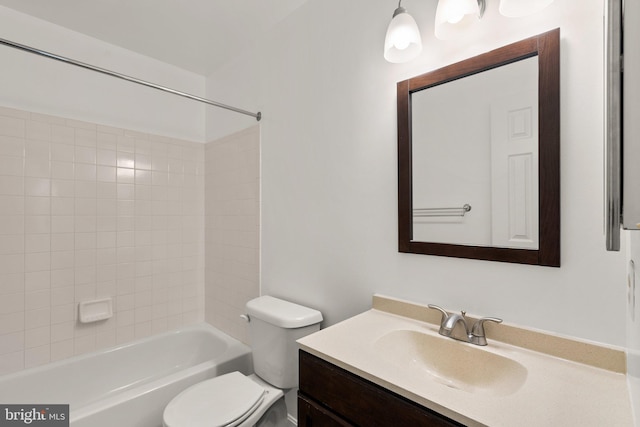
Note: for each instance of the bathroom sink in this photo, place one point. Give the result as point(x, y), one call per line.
point(452, 363)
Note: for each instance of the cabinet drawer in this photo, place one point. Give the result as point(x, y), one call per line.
point(311, 414)
point(359, 401)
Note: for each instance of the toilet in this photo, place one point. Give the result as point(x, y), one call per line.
point(236, 399)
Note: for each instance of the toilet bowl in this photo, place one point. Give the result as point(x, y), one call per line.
point(236, 399)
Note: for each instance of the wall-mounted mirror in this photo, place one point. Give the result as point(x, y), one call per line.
point(478, 156)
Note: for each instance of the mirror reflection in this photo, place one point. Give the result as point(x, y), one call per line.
point(475, 159)
point(479, 156)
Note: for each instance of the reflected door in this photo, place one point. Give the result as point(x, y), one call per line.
point(514, 166)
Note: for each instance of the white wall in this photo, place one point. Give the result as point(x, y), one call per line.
point(329, 222)
point(633, 321)
point(630, 198)
point(42, 85)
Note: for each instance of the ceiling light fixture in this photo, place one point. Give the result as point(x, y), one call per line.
point(404, 43)
point(454, 16)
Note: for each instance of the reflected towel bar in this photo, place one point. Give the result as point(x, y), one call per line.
point(427, 212)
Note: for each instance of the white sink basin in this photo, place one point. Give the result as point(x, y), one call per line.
point(452, 363)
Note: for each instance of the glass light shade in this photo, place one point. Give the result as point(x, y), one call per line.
point(517, 8)
point(403, 42)
point(454, 16)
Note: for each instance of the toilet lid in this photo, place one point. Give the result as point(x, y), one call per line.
point(223, 401)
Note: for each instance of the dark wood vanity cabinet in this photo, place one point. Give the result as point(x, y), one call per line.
point(330, 396)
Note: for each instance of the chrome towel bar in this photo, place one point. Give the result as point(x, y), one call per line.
point(429, 212)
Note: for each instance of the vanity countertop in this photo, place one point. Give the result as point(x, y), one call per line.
point(557, 391)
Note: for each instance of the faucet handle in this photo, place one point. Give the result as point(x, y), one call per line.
point(441, 310)
point(477, 332)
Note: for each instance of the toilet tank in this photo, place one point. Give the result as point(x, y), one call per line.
point(275, 325)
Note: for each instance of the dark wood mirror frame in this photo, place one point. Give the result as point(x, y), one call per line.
point(547, 48)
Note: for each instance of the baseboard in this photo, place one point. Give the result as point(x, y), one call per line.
point(293, 420)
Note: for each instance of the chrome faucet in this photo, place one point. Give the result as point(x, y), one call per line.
point(449, 322)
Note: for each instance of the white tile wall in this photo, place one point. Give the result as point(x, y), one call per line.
point(89, 211)
point(232, 193)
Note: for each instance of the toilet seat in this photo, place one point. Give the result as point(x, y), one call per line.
point(223, 401)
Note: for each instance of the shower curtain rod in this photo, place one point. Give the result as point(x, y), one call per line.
point(50, 55)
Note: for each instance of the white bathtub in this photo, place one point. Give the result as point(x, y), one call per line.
point(129, 385)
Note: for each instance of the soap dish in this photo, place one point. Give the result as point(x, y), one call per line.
point(95, 310)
